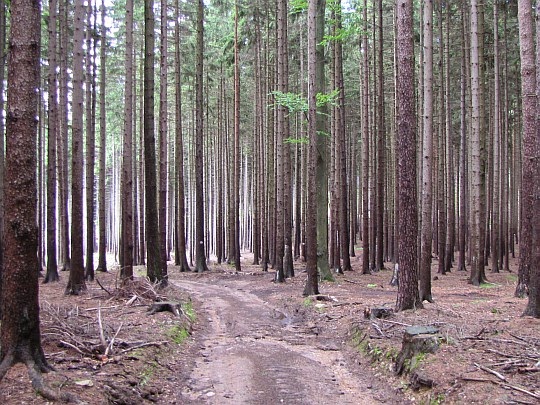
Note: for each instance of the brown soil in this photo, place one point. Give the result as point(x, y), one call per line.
point(258, 342)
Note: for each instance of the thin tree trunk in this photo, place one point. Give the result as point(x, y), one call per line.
point(163, 130)
point(52, 266)
point(199, 135)
point(102, 257)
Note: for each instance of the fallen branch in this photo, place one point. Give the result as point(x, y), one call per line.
point(103, 288)
point(73, 347)
point(101, 333)
point(158, 343)
point(396, 323)
point(111, 343)
point(516, 388)
point(488, 370)
point(346, 303)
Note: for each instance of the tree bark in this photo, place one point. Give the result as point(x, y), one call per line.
point(154, 265)
point(408, 296)
point(52, 265)
point(76, 282)
point(200, 259)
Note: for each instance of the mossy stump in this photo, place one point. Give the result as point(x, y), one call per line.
point(417, 340)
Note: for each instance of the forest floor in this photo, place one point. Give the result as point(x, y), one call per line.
point(243, 339)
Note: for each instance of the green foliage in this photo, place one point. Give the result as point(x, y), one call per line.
point(178, 334)
point(371, 285)
point(187, 307)
point(413, 363)
point(489, 285)
point(292, 101)
point(298, 6)
point(295, 141)
point(296, 103)
point(307, 302)
point(146, 374)
point(324, 99)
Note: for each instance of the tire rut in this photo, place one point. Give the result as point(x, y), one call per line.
point(253, 353)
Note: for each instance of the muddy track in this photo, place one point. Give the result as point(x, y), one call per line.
point(252, 353)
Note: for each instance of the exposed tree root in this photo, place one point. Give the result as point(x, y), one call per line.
point(35, 372)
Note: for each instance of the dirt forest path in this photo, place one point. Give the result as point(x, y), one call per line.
point(254, 353)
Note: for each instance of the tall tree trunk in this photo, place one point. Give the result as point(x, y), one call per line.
point(321, 151)
point(63, 158)
point(127, 164)
point(311, 286)
point(3, 56)
point(180, 252)
point(477, 271)
point(381, 158)
point(163, 130)
point(90, 146)
point(76, 282)
point(20, 333)
point(463, 184)
point(365, 149)
point(154, 265)
point(52, 265)
point(427, 158)
point(530, 149)
point(200, 264)
point(102, 249)
point(495, 241)
point(237, 157)
point(408, 296)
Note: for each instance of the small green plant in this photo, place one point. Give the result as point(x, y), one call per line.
point(178, 334)
point(512, 278)
point(495, 311)
point(413, 363)
point(489, 285)
point(372, 286)
point(376, 352)
point(146, 374)
point(439, 399)
point(307, 302)
point(391, 353)
point(187, 307)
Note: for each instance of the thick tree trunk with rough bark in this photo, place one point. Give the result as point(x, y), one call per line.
point(408, 297)
point(529, 179)
point(154, 268)
point(20, 339)
point(427, 158)
point(76, 282)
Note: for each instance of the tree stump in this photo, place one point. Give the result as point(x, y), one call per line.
point(416, 341)
point(381, 312)
point(169, 306)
